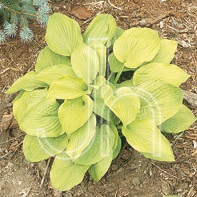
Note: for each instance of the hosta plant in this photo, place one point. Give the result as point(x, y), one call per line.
point(76, 106)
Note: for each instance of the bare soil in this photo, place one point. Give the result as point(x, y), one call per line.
point(131, 174)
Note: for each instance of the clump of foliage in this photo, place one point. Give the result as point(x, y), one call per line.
point(75, 108)
point(14, 13)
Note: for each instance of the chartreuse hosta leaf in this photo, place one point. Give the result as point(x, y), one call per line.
point(63, 34)
point(100, 108)
point(101, 53)
point(98, 170)
point(74, 113)
point(123, 102)
point(47, 58)
point(100, 147)
point(67, 87)
point(98, 82)
point(168, 73)
point(38, 149)
point(37, 115)
point(171, 196)
point(48, 75)
point(119, 32)
point(65, 174)
point(136, 46)
point(85, 63)
point(102, 28)
point(81, 138)
point(28, 82)
point(127, 83)
point(159, 101)
point(115, 65)
point(166, 51)
point(146, 138)
point(117, 143)
point(182, 120)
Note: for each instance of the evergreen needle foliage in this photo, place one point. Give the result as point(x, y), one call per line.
point(14, 13)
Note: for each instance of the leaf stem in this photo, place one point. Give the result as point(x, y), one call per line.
point(118, 75)
point(111, 77)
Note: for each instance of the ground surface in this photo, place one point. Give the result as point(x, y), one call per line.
point(131, 174)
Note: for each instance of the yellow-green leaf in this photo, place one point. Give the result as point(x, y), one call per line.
point(123, 102)
point(37, 149)
point(81, 138)
point(159, 101)
point(181, 121)
point(49, 74)
point(65, 174)
point(98, 82)
point(146, 138)
point(168, 73)
point(67, 87)
point(47, 58)
point(63, 34)
point(100, 147)
point(85, 63)
point(136, 46)
point(98, 170)
point(119, 32)
point(115, 65)
point(117, 143)
point(37, 115)
point(74, 113)
point(166, 51)
point(28, 82)
point(127, 83)
point(102, 28)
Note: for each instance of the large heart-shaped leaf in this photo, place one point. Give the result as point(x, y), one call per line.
point(47, 58)
point(159, 101)
point(37, 149)
point(102, 28)
point(81, 138)
point(100, 147)
point(146, 138)
point(28, 82)
point(37, 115)
point(166, 51)
point(182, 120)
point(67, 87)
point(65, 174)
point(74, 113)
point(158, 71)
point(123, 102)
point(63, 34)
point(49, 74)
point(85, 63)
point(98, 170)
point(136, 46)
